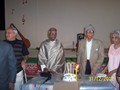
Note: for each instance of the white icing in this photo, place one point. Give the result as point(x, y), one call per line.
point(69, 77)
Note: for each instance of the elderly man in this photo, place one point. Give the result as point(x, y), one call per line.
point(7, 66)
point(51, 53)
point(90, 52)
point(21, 54)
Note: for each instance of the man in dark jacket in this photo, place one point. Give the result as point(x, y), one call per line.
point(21, 54)
point(7, 66)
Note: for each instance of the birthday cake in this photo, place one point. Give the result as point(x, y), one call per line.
point(69, 77)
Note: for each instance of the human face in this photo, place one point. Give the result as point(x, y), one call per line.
point(10, 35)
point(52, 34)
point(89, 34)
point(115, 38)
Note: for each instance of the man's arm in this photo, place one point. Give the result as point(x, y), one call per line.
point(12, 68)
point(23, 63)
point(42, 58)
point(59, 59)
point(100, 58)
point(79, 52)
point(79, 57)
point(25, 53)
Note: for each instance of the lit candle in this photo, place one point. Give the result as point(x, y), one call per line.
point(76, 70)
point(68, 67)
point(76, 73)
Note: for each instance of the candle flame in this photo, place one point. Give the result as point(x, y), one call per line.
point(77, 66)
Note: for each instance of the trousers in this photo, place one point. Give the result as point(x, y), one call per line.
point(88, 68)
point(19, 81)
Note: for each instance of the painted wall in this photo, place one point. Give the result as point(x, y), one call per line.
point(68, 16)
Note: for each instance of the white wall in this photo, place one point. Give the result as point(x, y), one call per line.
point(68, 16)
point(2, 35)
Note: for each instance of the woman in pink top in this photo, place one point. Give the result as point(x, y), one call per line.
point(114, 57)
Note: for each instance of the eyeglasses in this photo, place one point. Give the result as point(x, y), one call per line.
point(89, 31)
point(115, 37)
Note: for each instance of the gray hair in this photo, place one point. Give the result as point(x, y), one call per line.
point(14, 30)
point(89, 27)
point(117, 31)
point(52, 29)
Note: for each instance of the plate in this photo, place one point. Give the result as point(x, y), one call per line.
point(101, 75)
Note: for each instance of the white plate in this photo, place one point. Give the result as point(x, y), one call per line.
point(101, 75)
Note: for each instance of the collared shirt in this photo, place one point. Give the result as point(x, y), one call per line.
point(88, 48)
point(52, 42)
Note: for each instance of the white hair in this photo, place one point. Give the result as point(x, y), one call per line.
point(52, 29)
point(117, 31)
point(89, 27)
point(15, 31)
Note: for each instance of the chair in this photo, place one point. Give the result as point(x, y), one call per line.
point(80, 36)
point(69, 67)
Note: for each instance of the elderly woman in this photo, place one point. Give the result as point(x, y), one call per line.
point(114, 57)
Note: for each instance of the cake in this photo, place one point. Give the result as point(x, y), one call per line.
point(69, 77)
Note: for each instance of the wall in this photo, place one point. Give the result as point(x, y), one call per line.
point(2, 35)
point(2, 15)
point(68, 16)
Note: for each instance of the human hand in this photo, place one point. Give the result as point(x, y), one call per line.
point(110, 73)
point(93, 72)
point(23, 64)
point(103, 71)
point(11, 86)
point(52, 72)
point(45, 70)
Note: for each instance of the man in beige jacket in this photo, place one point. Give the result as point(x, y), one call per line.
point(90, 52)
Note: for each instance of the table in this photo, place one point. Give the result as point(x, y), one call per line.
point(36, 84)
point(86, 84)
point(55, 84)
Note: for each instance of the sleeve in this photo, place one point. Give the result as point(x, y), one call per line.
point(100, 57)
point(60, 59)
point(25, 50)
point(12, 65)
point(42, 55)
point(79, 52)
